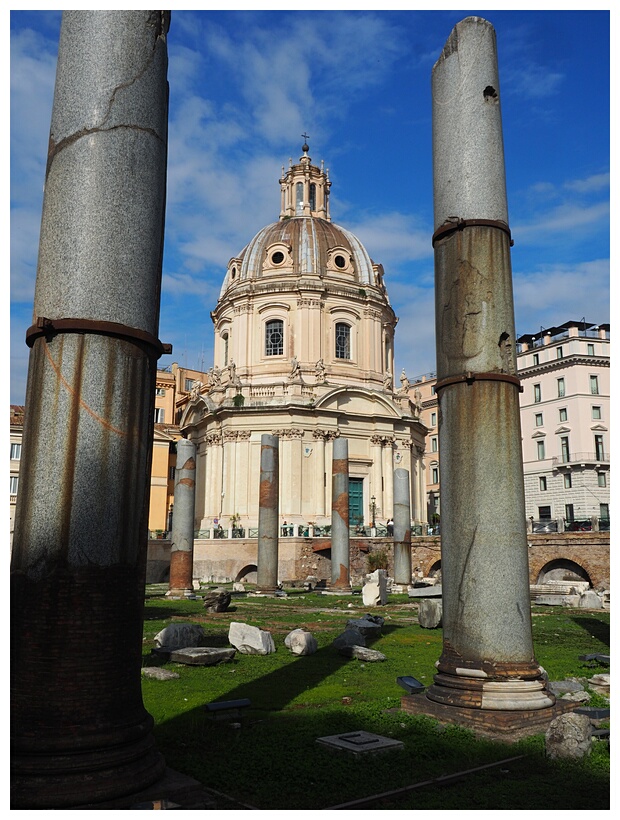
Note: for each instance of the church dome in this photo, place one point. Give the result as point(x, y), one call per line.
point(302, 246)
point(304, 242)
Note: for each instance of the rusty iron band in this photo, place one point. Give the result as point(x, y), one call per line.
point(451, 227)
point(470, 378)
point(50, 327)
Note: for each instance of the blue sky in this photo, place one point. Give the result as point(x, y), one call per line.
point(244, 87)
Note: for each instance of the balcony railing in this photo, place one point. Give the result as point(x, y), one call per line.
point(581, 458)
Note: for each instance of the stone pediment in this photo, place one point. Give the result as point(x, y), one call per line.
point(358, 401)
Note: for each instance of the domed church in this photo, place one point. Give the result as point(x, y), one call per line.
point(304, 350)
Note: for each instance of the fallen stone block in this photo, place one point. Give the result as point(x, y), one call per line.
point(178, 636)
point(569, 736)
point(430, 611)
point(301, 642)
point(350, 637)
point(362, 653)
point(217, 600)
point(369, 629)
point(202, 655)
point(250, 640)
point(158, 673)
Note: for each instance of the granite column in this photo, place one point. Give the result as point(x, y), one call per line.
point(80, 732)
point(340, 515)
point(268, 514)
point(488, 658)
point(182, 549)
point(402, 528)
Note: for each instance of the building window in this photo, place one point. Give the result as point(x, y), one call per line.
point(594, 385)
point(536, 358)
point(560, 353)
point(433, 419)
point(544, 513)
point(590, 350)
point(16, 452)
point(563, 414)
point(538, 417)
point(171, 473)
point(542, 483)
point(14, 483)
point(540, 446)
point(225, 340)
point(299, 198)
point(159, 415)
point(602, 479)
point(569, 512)
point(599, 449)
point(343, 341)
point(568, 481)
point(565, 449)
point(274, 338)
point(434, 444)
point(160, 391)
point(189, 383)
point(435, 474)
point(596, 411)
point(604, 512)
point(537, 395)
point(312, 196)
point(561, 388)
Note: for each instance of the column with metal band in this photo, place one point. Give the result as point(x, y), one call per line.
point(82, 735)
point(268, 514)
point(182, 537)
point(340, 515)
point(488, 659)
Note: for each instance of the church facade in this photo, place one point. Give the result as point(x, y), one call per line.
point(304, 350)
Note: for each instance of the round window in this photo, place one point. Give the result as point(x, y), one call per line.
point(340, 261)
point(277, 258)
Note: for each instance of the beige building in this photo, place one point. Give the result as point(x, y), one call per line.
point(17, 429)
point(304, 349)
point(565, 425)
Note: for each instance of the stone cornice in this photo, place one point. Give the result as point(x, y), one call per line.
point(562, 364)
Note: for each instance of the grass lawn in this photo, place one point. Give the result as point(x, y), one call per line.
point(272, 760)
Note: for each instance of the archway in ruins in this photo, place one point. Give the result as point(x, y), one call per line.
point(247, 574)
point(562, 569)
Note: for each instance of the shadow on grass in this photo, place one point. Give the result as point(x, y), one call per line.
point(598, 629)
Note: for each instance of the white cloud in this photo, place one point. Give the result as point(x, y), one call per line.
point(596, 182)
point(568, 218)
point(558, 293)
point(393, 238)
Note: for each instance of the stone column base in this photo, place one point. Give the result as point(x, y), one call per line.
point(507, 726)
point(181, 593)
point(478, 692)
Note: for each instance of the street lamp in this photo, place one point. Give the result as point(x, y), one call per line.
point(373, 509)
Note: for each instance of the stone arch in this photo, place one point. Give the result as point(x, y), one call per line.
point(562, 569)
point(434, 571)
point(247, 574)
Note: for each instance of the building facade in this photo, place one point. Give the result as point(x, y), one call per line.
point(304, 350)
point(565, 423)
point(565, 426)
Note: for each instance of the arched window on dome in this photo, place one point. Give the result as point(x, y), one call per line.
point(274, 338)
point(343, 341)
point(312, 196)
point(299, 198)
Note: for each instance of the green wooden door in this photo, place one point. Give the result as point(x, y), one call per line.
point(356, 501)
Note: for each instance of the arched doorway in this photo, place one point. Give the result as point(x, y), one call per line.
point(247, 574)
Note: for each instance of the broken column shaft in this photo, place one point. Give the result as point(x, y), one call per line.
point(182, 537)
point(340, 515)
point(80, 733)
point(268, 514)
point(402, 527)
point(488, 659)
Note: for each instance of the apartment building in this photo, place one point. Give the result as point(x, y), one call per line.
point(565, 425)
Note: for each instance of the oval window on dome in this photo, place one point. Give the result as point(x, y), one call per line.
point(277, 258)
point(234, 272)
point(340, 261)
